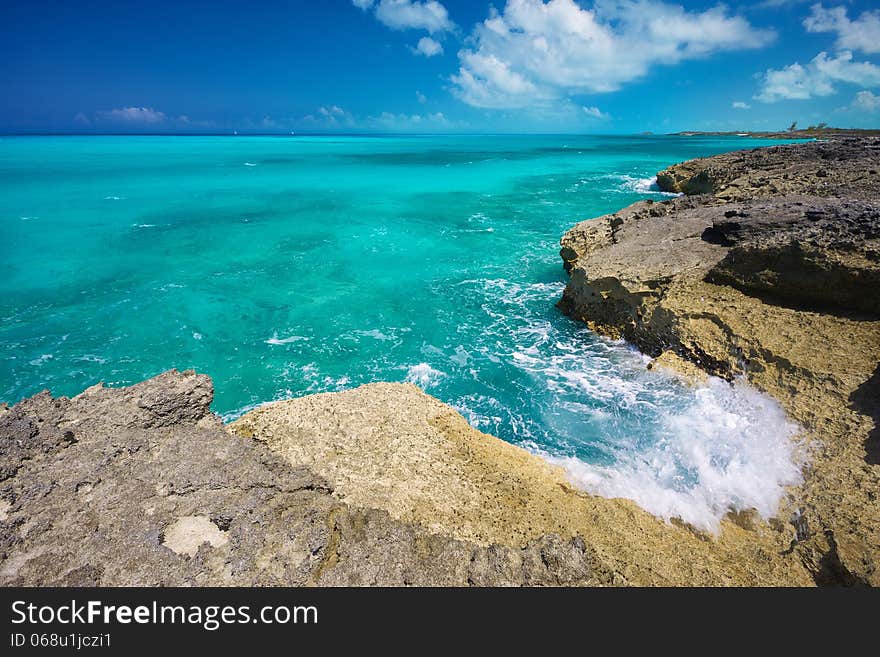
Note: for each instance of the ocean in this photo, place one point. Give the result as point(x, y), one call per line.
point(284, 266)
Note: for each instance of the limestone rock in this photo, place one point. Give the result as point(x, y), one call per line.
point(381, 485)
point(769, 272)
point(847, 167)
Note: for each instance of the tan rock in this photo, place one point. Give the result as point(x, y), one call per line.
point(186, 535)
point(779, 288)
point(391, 447)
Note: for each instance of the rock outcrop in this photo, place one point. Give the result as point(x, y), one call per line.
point(848, 167)
point(379, 485)
point(145, 486)
point(768, 270)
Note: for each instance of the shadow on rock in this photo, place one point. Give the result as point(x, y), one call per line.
point(866, 399)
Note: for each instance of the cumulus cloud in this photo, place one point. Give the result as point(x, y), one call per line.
point(134, 115)
point(428, 47)
point(595, 113)
point(421, 97)
point(535, 52)
point(332, 110)
point(329, 116)
point(738, 104)
point(797, 82)
point(429, 15)
point(865, 101)
point(409, 122)
point(335, 114)
point(862, 34)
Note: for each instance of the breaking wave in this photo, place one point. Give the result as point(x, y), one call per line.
point(590, 405)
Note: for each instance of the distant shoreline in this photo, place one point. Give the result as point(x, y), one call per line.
point(806, 133)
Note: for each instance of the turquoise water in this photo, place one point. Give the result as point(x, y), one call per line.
point(286, 266)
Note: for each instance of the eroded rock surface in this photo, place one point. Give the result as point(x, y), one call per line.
point(144, 486)
point(771, 272)
point(378, 485)
point(394, 448)
point(847, 167)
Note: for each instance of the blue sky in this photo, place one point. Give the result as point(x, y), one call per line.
point(437, 66)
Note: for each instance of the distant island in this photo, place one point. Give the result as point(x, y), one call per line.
point(820, 131)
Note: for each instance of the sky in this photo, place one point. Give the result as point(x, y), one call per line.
point(351, 66)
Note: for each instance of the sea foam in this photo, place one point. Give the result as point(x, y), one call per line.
point(275, 340)
point(423, 375)
point(621, 430)
point(643, 186)
point(730, 448)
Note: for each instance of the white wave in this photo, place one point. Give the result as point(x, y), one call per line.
point(42, 359)
point(730, 449)
point(143, 225)
point(643, 186)
point(292, 338)
point(113, 198)
point(232, 416)
point(250, 164)
point(621, 430)
point(423, 375)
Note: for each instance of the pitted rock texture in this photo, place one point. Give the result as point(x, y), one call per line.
point(381, 485)
point(771, 274)
point(847, 167)
point(144, 486)
point(392, 447)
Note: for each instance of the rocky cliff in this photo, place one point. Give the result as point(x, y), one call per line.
point(768, 269)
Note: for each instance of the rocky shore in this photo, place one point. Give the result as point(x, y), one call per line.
point(767, 269)
point(769, 273)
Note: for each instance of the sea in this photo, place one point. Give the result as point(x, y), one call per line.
point(288, 265)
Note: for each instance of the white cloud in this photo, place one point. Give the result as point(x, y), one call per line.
point(428, 47)
point(408, 122)
point(865, 101)
point(429, 15)
point(595, 113)
point(421, 97)
point(738, 104)
point(777, 4)
point(796, 82)
point(329, 116)
point(861, 34)
point(82, 119)
point(534, 53)
point(134, 115)
point(334, 114)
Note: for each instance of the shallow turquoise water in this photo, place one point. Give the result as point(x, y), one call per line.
point(284, 266)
